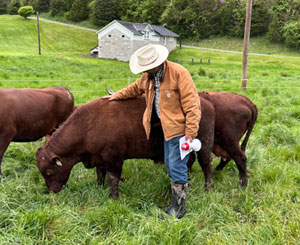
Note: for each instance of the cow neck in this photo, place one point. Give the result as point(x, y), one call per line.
point(56, 142)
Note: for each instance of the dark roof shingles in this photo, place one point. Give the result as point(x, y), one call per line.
point(137, 28)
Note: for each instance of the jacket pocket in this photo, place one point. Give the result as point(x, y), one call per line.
point(170, 103)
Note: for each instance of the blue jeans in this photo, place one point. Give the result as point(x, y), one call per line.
point(177, 168)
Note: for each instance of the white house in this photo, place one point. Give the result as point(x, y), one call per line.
point(120, 39)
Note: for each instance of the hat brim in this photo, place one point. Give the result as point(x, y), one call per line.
point(135, 68)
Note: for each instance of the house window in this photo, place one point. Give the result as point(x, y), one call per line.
point(123, 36)
point(146, 35)
point(109, 35)
point(171, 39)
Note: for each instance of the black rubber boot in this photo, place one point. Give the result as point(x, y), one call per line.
point(178, 200)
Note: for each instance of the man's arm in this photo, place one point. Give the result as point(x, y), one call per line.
point(190, 103)
point(131, 91)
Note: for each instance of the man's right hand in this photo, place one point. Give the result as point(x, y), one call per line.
point(110, 97)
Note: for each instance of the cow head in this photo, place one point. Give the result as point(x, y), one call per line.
point(54, 171)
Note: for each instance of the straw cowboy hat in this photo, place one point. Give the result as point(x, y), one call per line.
point(148, 57)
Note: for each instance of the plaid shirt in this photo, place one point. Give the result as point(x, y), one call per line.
point(157, 78)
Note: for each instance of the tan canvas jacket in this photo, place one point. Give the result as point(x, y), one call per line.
point(179, 104)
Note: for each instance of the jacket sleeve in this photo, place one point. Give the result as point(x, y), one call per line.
point(190, 103)
point(131, 91)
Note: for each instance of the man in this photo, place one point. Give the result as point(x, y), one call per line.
point(172, 98)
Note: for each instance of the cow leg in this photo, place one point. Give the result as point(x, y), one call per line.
point(240, 160)
point(204, 159)
point(222, 164)
point(192, 158)
point(113, 180)
point(101, 173)
point(5, 139)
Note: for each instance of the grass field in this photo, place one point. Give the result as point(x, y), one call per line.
point(266, 212)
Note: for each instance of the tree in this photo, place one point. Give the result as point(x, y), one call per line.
point(25, 11)
point(291, 33)
point(3, 6)
point(129, 10)
point(79, 11)
point(175, 17)
point(260, 19)
point(57, 7)
point(69, 4)
point(147, 11)
point(192, 19)
point(13, 6)
point(282, 13)
point(104, 11)
point(43, 5)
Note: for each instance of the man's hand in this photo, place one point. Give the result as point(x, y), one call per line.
point(189, 138)
point(110, 97)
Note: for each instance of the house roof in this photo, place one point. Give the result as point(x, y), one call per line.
point(138, 28)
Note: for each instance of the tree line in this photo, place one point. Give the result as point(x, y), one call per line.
point(192, 19)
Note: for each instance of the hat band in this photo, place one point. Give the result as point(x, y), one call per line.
point(149, 63)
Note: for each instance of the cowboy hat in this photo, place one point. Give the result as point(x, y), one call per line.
point(148, 57)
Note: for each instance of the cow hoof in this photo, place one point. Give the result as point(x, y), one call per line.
point(208, 187)
point(243, 183)
point(114, 196)
point(100, 182)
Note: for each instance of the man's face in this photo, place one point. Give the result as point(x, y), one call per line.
point(153, 70)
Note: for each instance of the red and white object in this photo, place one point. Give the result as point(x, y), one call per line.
point(186, 147)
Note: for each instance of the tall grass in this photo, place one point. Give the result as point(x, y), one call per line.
point(266, 212)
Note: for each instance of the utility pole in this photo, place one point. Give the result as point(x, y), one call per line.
point(246, 43)
point(38, 27)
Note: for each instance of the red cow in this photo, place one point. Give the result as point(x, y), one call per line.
point(103, 134)
point(235, 115)
point(29, 114)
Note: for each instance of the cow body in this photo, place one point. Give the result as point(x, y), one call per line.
point(29, 114)
point(103, 134)
point(235, 115)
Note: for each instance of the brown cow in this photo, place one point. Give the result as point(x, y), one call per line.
point(235, 115)
point(103, 134)
point(29, 114)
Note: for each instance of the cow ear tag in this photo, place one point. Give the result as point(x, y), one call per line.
point(57, 161)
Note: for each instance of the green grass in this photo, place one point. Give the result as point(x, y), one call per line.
point(266, 212)
point(256, 45)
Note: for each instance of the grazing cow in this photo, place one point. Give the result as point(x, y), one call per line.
point(103, 134)
point(235, 115)
point(29, 114)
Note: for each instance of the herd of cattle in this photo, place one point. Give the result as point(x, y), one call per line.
point(102, 133)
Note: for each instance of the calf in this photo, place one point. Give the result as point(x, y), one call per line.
point(29, 114)
point(103, 134)
point(235, 115)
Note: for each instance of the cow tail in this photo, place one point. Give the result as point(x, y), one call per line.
point(250, 127)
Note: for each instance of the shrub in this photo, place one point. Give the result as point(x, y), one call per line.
point(291, 33)
point(25, 11)
point(201, 72)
